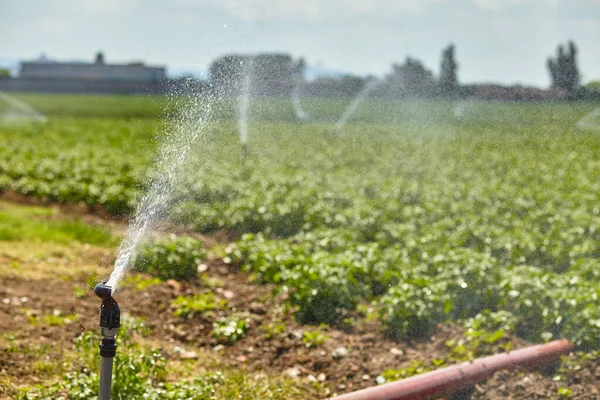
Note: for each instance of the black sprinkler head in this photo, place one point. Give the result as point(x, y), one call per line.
point(103, 291)
point(110, 314)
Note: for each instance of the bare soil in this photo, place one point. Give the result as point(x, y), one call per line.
point(369, 352)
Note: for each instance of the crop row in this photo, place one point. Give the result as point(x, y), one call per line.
point(327, 279)
point(427, 223)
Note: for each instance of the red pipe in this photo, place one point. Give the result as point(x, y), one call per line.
point(462, 376)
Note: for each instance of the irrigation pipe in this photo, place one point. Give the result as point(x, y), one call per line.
point(462, 376)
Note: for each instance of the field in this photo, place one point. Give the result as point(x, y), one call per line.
point(424, 234)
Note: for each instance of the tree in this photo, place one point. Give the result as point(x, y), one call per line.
point(448, 77)
point(272, 74)
point(299, 67)
point(411, 79)
point(226, 73)
point(99, 57)
point(564, 72)
point(594, 86)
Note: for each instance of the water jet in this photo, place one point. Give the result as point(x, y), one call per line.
point(360, 97)
point(301, 115)
point(244, 107)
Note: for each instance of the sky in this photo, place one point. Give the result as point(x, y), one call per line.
point(497, 41)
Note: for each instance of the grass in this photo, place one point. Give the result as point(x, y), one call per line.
point(29, 223)
point(95, 106)
point(141, 372)
point(40, 243)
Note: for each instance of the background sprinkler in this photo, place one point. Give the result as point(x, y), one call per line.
point(244, 155)
point(110, 320)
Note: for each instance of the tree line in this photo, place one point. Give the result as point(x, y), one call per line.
point(278, 74)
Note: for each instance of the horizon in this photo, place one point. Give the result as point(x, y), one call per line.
point(495, 43)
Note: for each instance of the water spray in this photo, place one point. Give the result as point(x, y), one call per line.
point(360, 97)
point(110, 320)
point(590, 120)
point(301, 115)
point(19, 112)
point(244, 107)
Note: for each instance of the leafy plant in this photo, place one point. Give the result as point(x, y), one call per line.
point(187, 307)
point(564, 393)
point(230, 330)
point(416, 368)
point(273, 329)
point(314, 338)
point(57, 318)
point(80, 292)
point(175, 258)
point(140, 282)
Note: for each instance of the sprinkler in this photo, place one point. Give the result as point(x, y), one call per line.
point(244, 152)
point(110, 320)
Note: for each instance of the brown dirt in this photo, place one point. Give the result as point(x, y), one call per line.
point(369, 351)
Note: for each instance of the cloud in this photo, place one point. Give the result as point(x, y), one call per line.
point(497, 5)
point(312, 10)
point(52, 25)
point(108, 6)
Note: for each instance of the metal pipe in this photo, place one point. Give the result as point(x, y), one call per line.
point(106, 366)
point(462, 376)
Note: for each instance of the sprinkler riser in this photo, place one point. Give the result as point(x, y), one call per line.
point(108, 347)
point(106, 366)
point(110, 321)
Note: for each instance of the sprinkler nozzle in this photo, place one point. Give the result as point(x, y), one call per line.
point(103, 291)
point(110, 314)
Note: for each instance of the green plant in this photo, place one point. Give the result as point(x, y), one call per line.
point(412, 310)
point(273, 329)
point(416, 368)
point(10, 344)
point(80, 292)
point(230, 330)
point(313, 338)
point(136, 368)
point(92, 280)
point(175, 258)
point(57, 318)
point(187, 307)
point(140, 282)
point(564, 393)
point(348, 324)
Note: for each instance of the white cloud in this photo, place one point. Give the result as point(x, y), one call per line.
point(312, 10)
point(107, 6)
point(496, 5)
point(52, 25)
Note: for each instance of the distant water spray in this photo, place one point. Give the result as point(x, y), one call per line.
point(460, 110)
point(590, 120)
point(19, 111)
point(360, 97)
point(301, 115)
point(190, 127)
point(244, 105)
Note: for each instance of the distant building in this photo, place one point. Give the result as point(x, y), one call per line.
point(99, 70)
point(48, 76)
